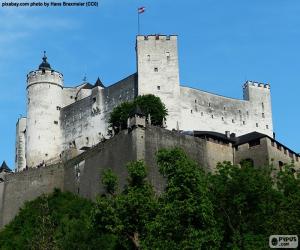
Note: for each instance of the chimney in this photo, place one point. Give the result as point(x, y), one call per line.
point(227, 133)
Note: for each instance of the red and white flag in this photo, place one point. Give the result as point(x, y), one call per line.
point(141, 10)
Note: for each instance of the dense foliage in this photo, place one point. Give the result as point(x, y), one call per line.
point(58, 221)
point(237, 207)
point(149, 104)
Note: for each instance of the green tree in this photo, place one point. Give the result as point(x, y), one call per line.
point(126, 214)
point(245, 202)
point(149, 104)
point(56, 221)
point(185, 218)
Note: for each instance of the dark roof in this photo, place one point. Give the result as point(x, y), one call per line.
point(253, 136)
point(136, 111)
point(45, 64)
point(98, 83)
point(87, 86)
point(4, 167)
point(214, 135)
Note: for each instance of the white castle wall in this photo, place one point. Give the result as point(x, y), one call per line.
point(59, 119)
point(68, 96)
point(44, 100)
point(209, 112)
point(158, 73)
point(85, 122)
point(20, 159)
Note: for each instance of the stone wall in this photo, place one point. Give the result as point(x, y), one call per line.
point(82, 174)
point(205, 111)
point(25, 186)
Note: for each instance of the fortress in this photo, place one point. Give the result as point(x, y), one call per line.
point(64, 141)
point(61, 119)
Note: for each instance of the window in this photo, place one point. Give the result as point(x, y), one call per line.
point(257, 125)
point(267, 126)
point(58, 108)
point(191, 111)
point(290, 154)
point(158, 87)
point(263, 115)
point(272, 143)
point(247, 112)
point(224, 108)
point(94, 99)
point(212, 116)
point(280, 164)
point(244, 122)
point(168, 55)
point(222, 118)
point(148, 57)
point(155, 69)
point(232, 120)
point(56, 122)
point(71, 97)
point(195, 101)
point(278, 147)
point(209, 104)
point(201, 113)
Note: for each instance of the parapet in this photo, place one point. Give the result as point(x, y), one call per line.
point(156, 37)
point(45, 76)
point(256, 84)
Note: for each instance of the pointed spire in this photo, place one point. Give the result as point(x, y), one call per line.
point(45, 65)
point(84, 78)
point(4, 167)
point(99, 83)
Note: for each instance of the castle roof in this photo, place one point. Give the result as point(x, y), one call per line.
point(45, 64)
point(4, 168)
point(87, 86)
point(99, 83)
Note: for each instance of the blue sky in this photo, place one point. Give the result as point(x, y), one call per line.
point(221, 44)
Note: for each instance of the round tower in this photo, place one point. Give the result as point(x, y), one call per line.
point(44, 101)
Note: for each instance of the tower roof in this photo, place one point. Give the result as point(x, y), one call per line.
point(45, 64)
point(99, 83)
point(4, 167)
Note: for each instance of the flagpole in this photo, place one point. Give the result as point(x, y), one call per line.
point(138, 22)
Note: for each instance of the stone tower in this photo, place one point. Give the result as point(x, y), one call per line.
point(158, 72)
point(258, 94)
point(44, 101)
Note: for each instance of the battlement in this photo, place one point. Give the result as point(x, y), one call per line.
point(256, 84)
point(156, 37)
point(45, 76)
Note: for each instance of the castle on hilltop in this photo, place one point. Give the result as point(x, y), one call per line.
point(61, 119)
point(62, 141)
